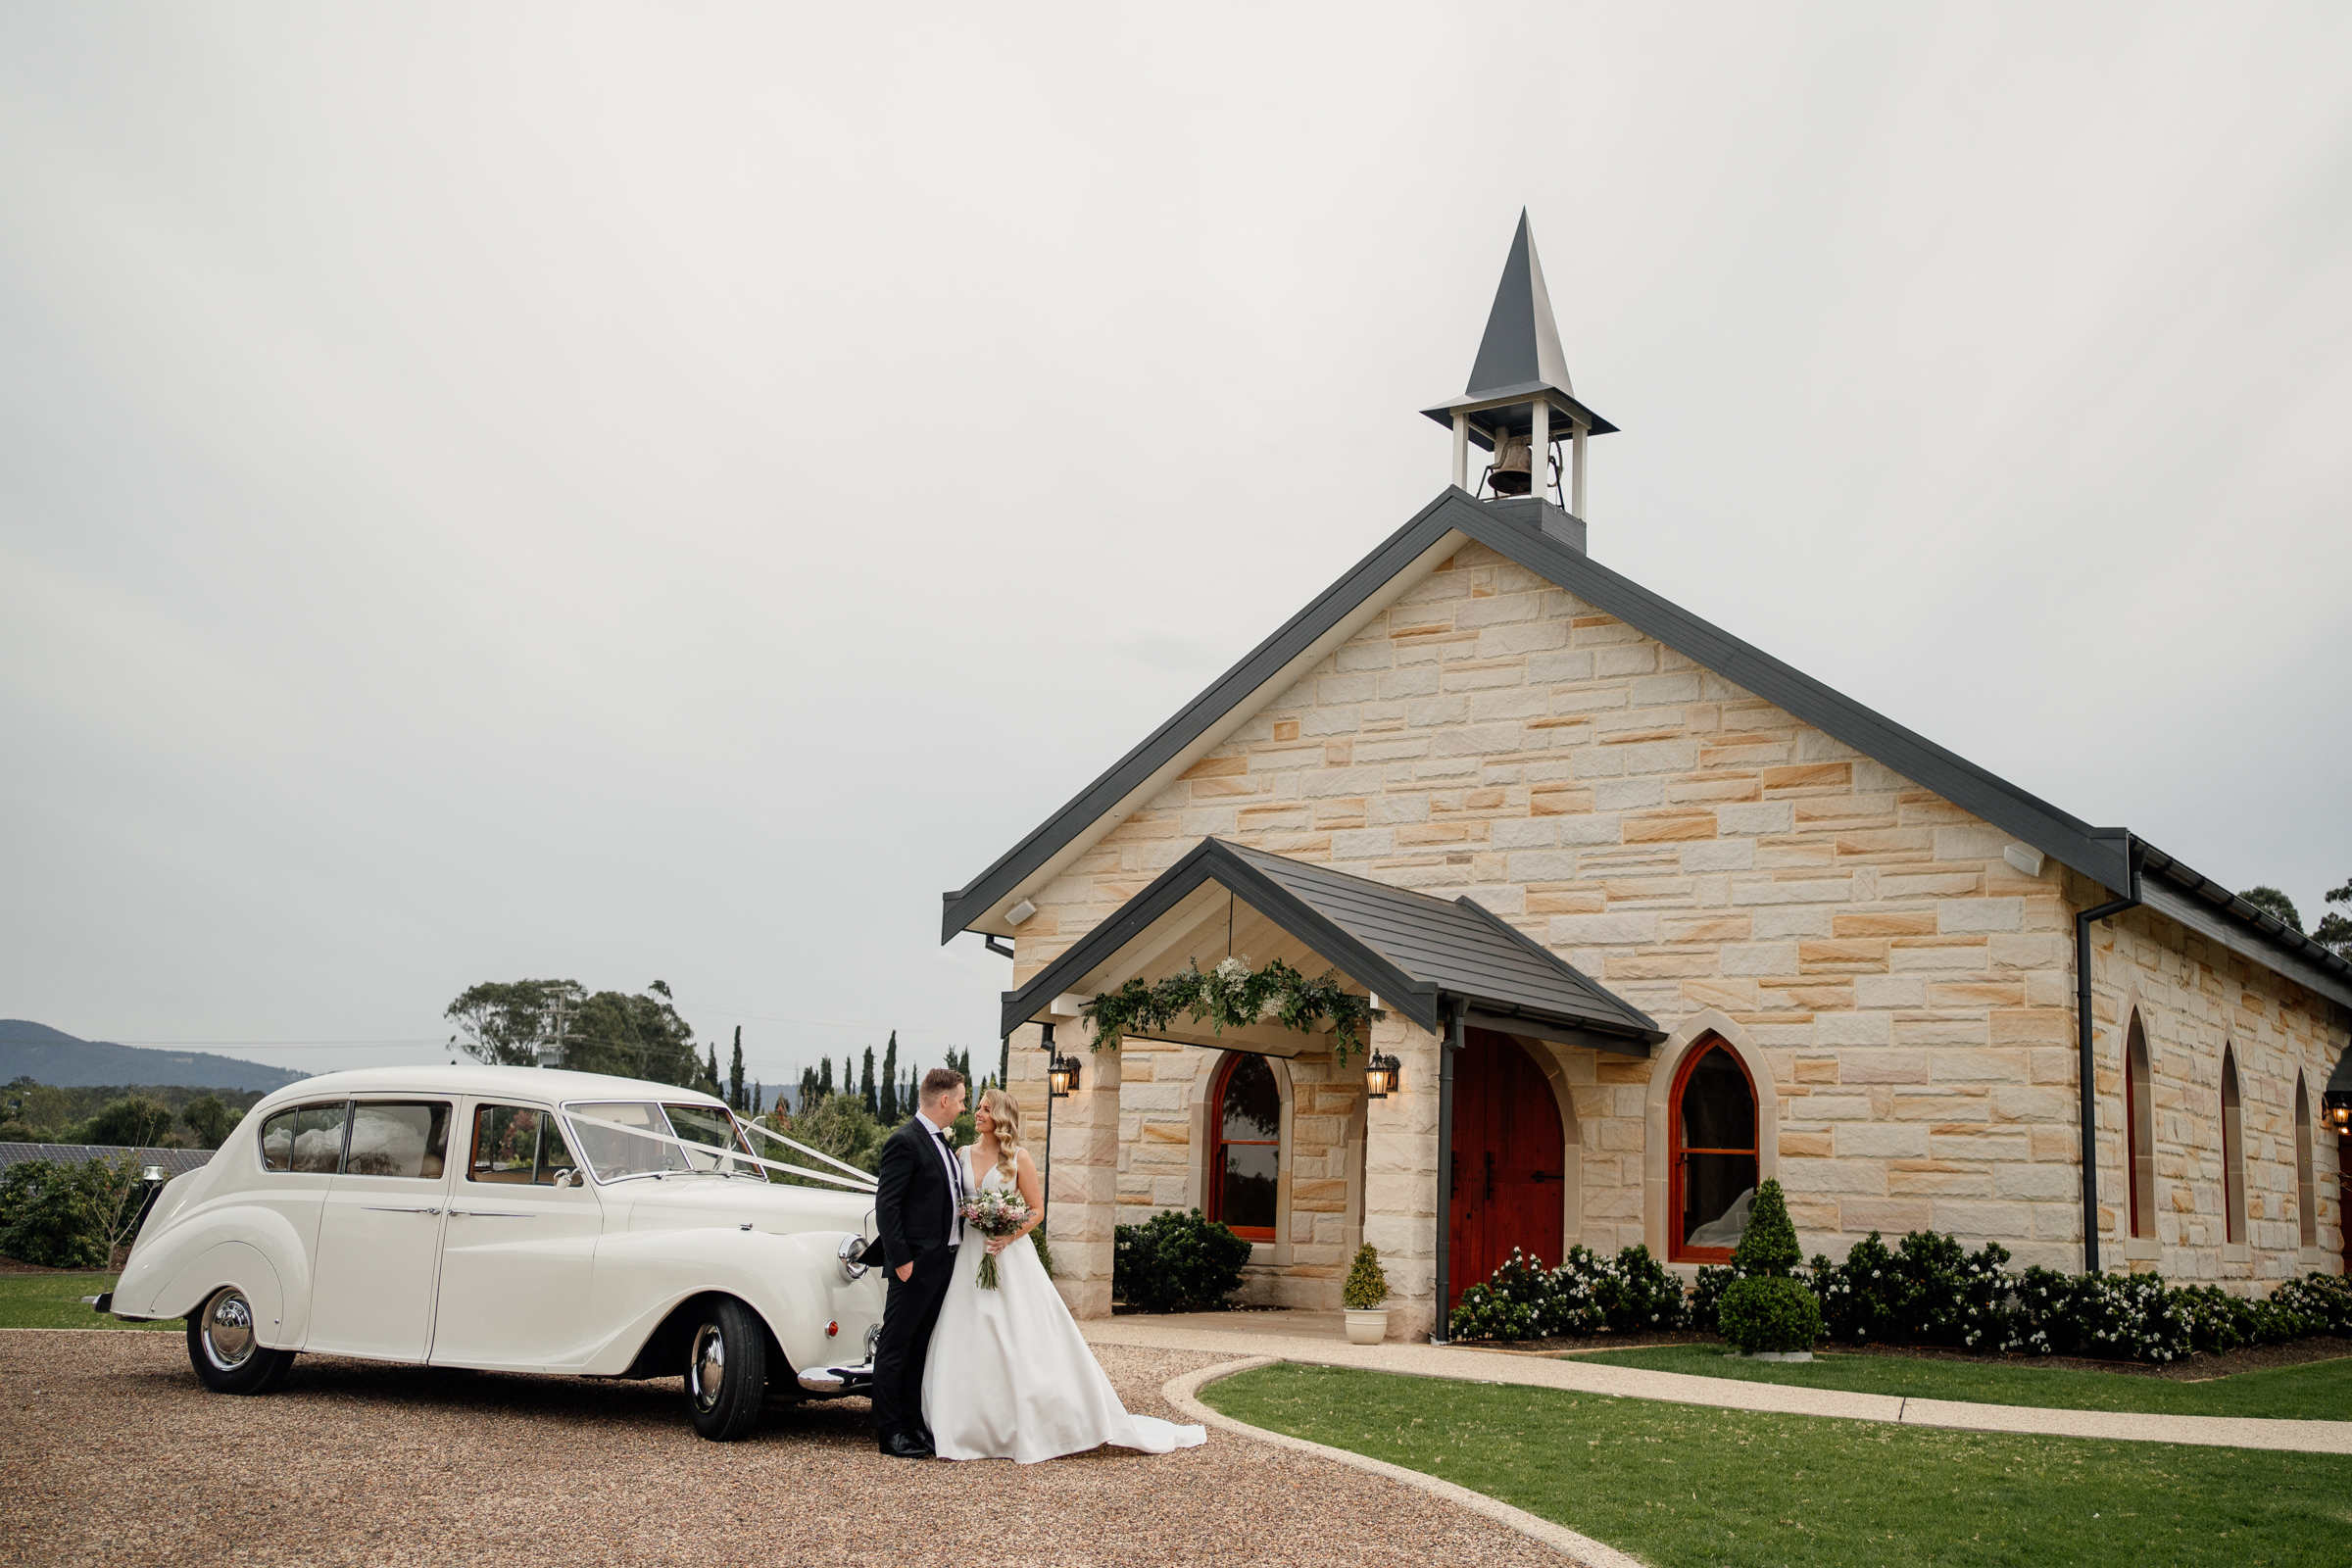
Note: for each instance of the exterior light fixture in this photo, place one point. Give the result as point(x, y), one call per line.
point(2335, 1105)
point(1061, 1076)
point(1380, 1076)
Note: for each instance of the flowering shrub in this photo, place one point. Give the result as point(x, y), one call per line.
point(2323, 1301)
point(1632, 1292)
point(2120, 1317)
point(1929, 1290)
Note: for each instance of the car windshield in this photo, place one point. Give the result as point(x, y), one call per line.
point(706, 1127)
point(613, 1152)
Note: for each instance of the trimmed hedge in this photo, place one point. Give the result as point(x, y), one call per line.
point(1927, 1289)
point(1770, 1312)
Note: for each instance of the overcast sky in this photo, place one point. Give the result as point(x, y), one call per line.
point(646, 492)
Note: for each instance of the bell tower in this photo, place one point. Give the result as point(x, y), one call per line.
point(1519, 404)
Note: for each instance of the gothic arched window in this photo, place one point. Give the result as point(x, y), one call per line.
point(1712, 1154)
point(1246, 1159)
point(2307, 1211)
point(2139, 1130)
point(2234, 1152)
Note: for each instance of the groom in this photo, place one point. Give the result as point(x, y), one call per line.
point(917, 1210)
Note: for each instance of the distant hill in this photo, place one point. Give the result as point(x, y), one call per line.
point(30, 1049)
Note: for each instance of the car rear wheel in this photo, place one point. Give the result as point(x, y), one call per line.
point(222, 1348)
point(726, 1370)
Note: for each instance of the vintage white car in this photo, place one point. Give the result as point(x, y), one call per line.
point(590, 1226)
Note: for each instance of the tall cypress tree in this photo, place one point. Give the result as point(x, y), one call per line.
point(824, 1078)
point(735, 1097)
point(808, 1091)
point(711, 1079)
point(759, 1099)
point(866, 1086)
point(890, 1081)
point(1004, 1063)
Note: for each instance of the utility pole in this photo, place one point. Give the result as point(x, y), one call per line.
point(551, 1045)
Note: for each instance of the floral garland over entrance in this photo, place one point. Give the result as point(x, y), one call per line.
point(1233, 995)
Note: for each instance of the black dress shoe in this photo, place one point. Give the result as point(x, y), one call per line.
point(899, 1446)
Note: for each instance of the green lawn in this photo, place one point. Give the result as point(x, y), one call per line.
point(54, 1302)
point(2318, 1391)
point(1684, 1484)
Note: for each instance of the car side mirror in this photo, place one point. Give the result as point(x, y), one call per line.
point(567, 1177)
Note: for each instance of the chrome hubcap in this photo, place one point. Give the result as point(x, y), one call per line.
point(228, 1330)
point(706, 1370)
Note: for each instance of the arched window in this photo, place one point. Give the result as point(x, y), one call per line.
point(2234, 1152)
point(2307, 1209)
point(1711, 1127)
point(2140, 1128)
point(1246, 1161)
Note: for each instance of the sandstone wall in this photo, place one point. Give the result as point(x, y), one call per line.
point(1905, 989)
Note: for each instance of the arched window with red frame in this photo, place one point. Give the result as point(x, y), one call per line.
point(1711, 1157)
point(1245, 1163)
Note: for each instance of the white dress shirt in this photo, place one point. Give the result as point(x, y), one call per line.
point(939, 1141)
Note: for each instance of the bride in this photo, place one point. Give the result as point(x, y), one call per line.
point(1008, 1376)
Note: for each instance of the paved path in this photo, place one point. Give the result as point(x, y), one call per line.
point(1282, 1337)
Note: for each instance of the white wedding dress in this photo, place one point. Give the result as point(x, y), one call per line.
point(1009, 1376)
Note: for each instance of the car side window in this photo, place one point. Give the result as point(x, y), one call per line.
point(518, 1146)
point(307, 1139)
point(408, 1137)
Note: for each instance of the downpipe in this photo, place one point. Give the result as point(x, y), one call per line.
point(2090, 1113)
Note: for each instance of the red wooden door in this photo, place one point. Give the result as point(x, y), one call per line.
point(1508, 1150)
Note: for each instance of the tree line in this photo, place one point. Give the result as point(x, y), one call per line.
point(130, 1116)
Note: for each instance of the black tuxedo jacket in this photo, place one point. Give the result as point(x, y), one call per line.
point(913, 1202)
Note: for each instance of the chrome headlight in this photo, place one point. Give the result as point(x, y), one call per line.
point(850, 1250)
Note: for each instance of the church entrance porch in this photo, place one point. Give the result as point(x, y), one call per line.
point(1283, 1133)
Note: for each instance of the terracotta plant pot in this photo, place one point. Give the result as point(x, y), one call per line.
point(1368, 1327)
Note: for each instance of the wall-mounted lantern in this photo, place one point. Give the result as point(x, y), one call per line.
point(1061, 1076)
point(1381, 1076)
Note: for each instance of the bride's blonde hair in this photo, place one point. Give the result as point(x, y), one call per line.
point(1007, 1114)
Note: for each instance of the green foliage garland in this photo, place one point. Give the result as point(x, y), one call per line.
point(1234, 995)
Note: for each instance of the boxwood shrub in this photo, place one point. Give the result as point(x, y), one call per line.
point(1770, 1312)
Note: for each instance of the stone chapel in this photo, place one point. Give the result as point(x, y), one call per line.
point(1645, 917)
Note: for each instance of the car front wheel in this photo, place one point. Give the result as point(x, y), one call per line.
point(726, 1370)
point(222, 1347)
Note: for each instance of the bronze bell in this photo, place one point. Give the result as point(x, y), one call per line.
point(1509, 473)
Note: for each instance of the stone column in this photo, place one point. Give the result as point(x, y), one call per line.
point(1085, 1173)
point(1401, 1179)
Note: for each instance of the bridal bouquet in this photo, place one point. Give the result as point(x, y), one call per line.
point(994, 1214)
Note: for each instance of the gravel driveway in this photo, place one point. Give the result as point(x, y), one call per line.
point(110, 1453)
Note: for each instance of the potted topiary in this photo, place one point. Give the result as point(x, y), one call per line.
point(1769, 1315)
point(1366, 1296)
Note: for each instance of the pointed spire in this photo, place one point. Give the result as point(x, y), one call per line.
point(1519, 404)
point(1522, 345)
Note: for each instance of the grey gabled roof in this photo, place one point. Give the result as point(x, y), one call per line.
point(1408, 947)
point(2105, 854)
point(178, 1162)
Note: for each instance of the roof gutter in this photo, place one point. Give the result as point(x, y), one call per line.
point(2090, 1113)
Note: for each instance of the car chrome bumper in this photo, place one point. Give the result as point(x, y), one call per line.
point(100, 1304)
point(838, 1379)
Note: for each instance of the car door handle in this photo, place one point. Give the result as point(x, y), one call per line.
point(491, 1214)
point(395, 1209)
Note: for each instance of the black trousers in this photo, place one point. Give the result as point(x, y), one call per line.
point(909, 1313)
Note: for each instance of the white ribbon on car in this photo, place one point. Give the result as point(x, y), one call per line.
point(863, 1183)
